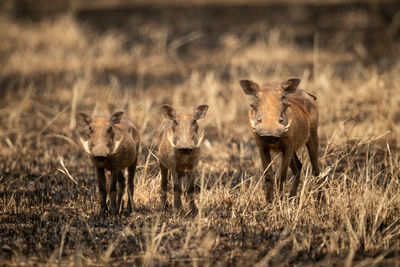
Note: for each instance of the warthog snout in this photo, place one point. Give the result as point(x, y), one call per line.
point(100, 158)
point(271, 135)
point(269, 139)
point(185, 151)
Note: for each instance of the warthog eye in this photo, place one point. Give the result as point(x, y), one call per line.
point(90, 131)
point(194, 122)
point(285, 101)
point(254, 105)
point(175, 122)
point(110, 129)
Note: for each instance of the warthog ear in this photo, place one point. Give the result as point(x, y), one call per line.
point(116, 117)
point(249, 87)
point(290, 85)
point(200, 112)
point(86, 118)
point(168, 111)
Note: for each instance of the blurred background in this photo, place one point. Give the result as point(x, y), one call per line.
point(203, 34)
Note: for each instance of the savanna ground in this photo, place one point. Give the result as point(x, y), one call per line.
point(135, 58)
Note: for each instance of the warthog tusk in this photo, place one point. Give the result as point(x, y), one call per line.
point(200, 140)
point(85, 145)
point(253, 126)
point(170, 139)
point(288, 125)
point(116, 146)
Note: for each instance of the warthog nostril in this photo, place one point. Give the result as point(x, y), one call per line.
point(270, 139)
point(100, 158)
point(185, 151)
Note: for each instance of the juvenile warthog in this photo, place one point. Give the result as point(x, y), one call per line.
point(283, 119)
point(179, 149)
point(112, 144)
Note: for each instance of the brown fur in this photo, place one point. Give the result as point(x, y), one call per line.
point(179, 152)
point(274, 107)
point(103, 135)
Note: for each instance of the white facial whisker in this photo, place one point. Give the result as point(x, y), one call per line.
point(170, 139)
point(116, 146)
point(253, 125)
point(200, 140)
point(85, 145)
point(288, 125)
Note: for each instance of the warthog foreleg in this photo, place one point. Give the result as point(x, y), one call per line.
point(312, 146)
point(101, 179)
point(177, 191)
point(164, 185)
point(121, 190)
point(287, 155)
point(268, 181)
point(113, 191)
point(190, 192)
point(296, 166)
point(131, 185)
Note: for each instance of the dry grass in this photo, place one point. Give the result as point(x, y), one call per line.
point(54, 68)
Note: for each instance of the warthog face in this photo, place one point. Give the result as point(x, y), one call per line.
point(184, 134)
point(268, 116)
point(100, 143)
